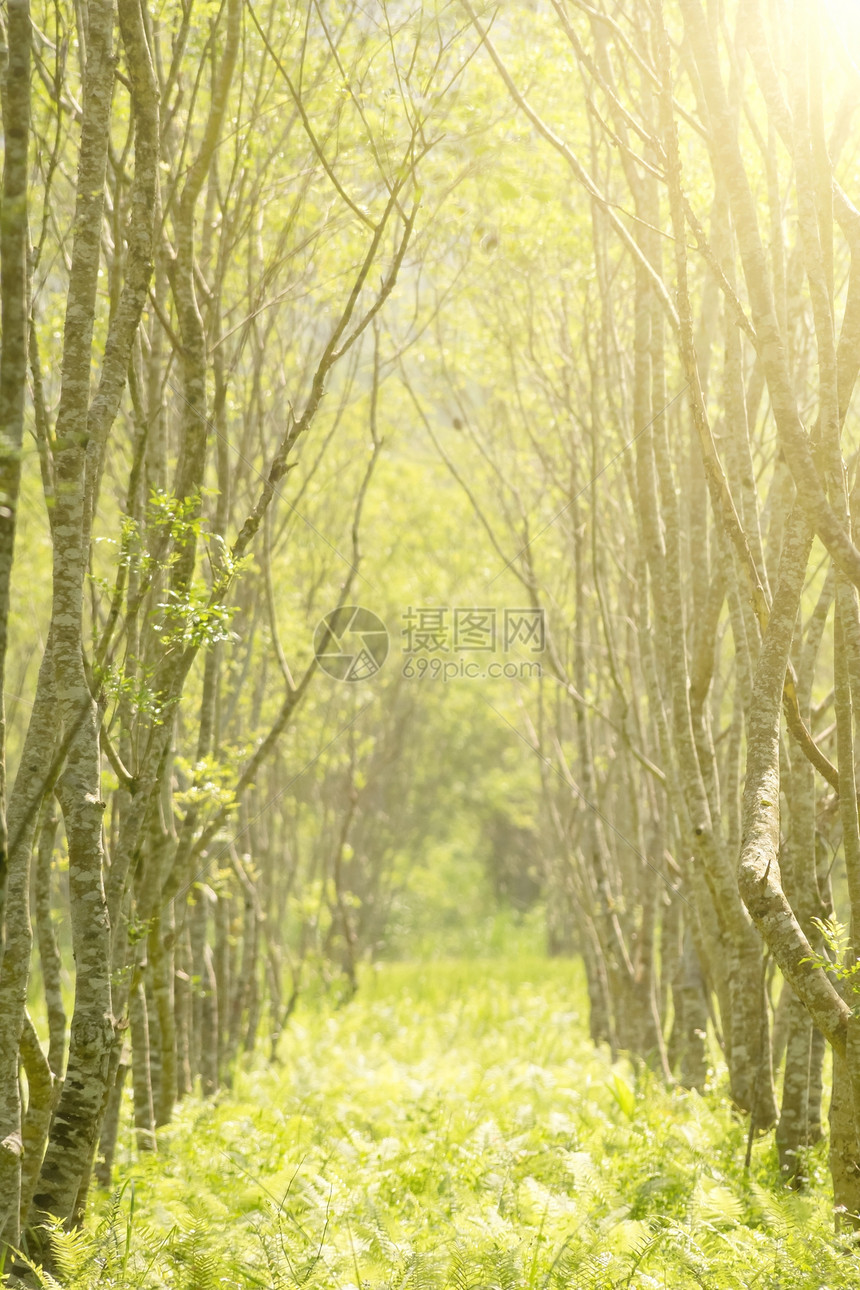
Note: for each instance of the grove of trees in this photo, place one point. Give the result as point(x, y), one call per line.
point(548, 308)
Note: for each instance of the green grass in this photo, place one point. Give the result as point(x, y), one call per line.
point(453, 1127)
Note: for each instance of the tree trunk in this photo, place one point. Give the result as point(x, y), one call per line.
point(110, 1123)
point(690, 1026)
point(76, 1121)
point(43, 1089)
point(49, 950)
point(792, 1131)
point(844, 1148)
point(30, 783)
point(14, 309)
point(161, 939)
point(144, 1113)
point(182, 993)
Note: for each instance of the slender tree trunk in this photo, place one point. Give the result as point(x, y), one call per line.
point(49, 949)
point(222, 967)
point(161, 960)
point(691, 1018)
point(110, 1123)
point(14, 310)
point(43, 1088)
point(844, 1148)
point(155, 1048)
point(13, 1000)
point(792, 1131)
point(144, 1113)
point(183, 1005)
point(30, 784)
point(244, 1000)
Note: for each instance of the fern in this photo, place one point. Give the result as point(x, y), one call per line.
point(417, 1273)
point(414, 1143)
point(198, 1265)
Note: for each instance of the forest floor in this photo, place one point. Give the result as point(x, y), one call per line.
point(453, 1126)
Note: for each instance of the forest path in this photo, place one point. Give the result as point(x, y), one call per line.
point(453, 1127)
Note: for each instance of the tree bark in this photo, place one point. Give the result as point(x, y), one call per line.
point(14, 310)
point(76, 1121)
point(30, 783)
point(144, 1113)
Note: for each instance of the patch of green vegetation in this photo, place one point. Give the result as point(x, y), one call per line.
point(453, 1127)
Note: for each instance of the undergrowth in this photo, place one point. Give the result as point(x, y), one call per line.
point(453, 1127)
